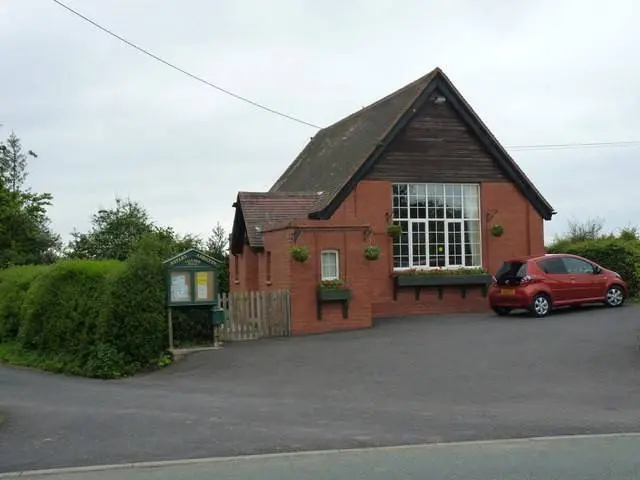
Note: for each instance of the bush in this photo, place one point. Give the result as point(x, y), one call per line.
point(14, 283)
point(133, 322)
point(60, 311)
point(95, 318)
point(619, 255)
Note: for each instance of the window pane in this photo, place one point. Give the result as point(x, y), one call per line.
point(453, 201)
point(401, 247)
point(472, 251)
point(400, 209)
point(577, 266)
point(454, 243)
point(470, 191)
point(436, 244)
point(435, 200)
point(554, 266)
point(329, 265)
point(418, 244)
point(418, 201)
point(471, 202)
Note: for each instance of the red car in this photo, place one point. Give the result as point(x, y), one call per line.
point(542, 283)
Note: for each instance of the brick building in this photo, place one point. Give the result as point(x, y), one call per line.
point(416, 175)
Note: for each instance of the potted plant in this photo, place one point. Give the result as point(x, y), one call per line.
point(300, 253)
point(442, 276)
point(497, 230)
point(394, 230)
point(372, 252)
point(333, 290)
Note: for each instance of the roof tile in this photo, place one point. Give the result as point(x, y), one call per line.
point(263, 208)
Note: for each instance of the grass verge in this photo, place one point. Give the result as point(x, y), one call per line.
point(13, 354)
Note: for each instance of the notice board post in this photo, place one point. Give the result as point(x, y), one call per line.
point(192, 281)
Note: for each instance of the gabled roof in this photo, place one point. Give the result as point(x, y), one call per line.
point(256, 210)
point(339, 156)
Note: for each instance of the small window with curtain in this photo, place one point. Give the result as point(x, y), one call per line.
point(330, 265)
point(268, 267)
point(235, 267)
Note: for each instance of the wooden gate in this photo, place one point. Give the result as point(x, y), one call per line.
point(253, 315)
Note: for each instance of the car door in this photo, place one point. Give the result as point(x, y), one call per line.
point(556, 278)
point(582, 278)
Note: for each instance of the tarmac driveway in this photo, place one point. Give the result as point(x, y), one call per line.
point(415, 380)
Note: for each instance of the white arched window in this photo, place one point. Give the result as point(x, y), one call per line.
point(329, 265)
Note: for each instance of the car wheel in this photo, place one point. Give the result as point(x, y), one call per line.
point(540, 305)
point(615, 296)
point(502, 311)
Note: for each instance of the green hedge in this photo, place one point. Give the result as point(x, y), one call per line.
point(619, 255)
point(14, 283)
point(102, 319)
point(134, 322)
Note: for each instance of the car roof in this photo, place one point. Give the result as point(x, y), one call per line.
point(539, 257)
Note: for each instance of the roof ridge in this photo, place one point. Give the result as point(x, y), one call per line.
point(327, 130)
point(385, 98)
point(296, 193)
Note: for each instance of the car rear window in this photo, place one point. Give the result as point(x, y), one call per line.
point(512, 270)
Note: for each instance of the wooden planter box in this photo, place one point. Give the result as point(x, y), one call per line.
point(463, 281)
point(334, 294)
point(326, 295)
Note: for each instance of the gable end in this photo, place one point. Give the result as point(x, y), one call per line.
point(504, 162)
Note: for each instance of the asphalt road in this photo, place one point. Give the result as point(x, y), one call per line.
point(405, 382)
point(590, 458)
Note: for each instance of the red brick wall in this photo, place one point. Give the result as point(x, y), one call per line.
point(277, 243)
point(523, 226)
point(247, 272)
point(354, 269)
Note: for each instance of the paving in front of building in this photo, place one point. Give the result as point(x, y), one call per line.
point(449, 378)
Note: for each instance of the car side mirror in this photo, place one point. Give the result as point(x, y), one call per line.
point(596, 270)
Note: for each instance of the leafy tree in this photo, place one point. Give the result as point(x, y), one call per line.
point(13, 163)
point(25, 232)
point(116, 232)
point(217, 246)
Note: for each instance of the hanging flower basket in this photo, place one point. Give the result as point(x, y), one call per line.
point(497, 230)
point(394, 230)
point(300, 253)
point(372, 252)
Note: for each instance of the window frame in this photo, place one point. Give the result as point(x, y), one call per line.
point(336, 253)
point(445, 221)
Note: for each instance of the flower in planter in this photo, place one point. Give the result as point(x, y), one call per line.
point(332, 284)
point(300, 253)
point(443, 271)
point(497, 230)
point(372, 252)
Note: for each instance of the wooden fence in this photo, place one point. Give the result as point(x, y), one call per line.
point(253, 315)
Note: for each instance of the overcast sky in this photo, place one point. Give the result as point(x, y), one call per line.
point(106, 120)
